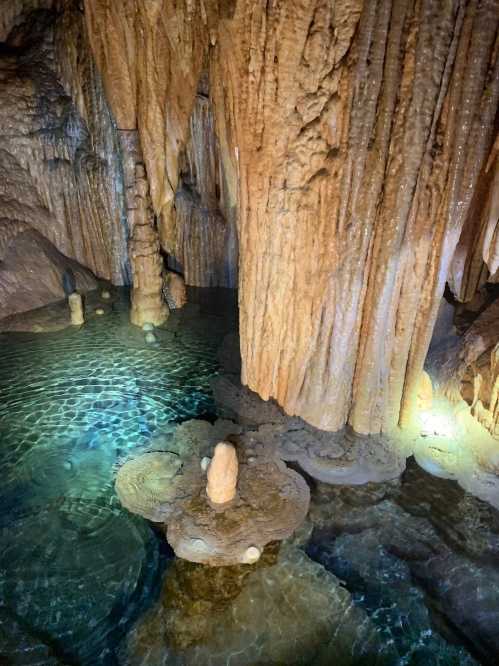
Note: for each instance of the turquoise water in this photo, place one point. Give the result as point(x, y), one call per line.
point(75, 568)
point(77, 571)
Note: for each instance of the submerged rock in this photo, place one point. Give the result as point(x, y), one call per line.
point(214, 616)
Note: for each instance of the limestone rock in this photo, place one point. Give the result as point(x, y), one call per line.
point(58, 163)
point(240, 403)
point(470, 367)
point(424, 392)
point(222, 474)
point(210, 614)
point(170, 488)
point(76, 308)
point(271, 502)
point(354, 187)
point(174, 290)
point(32, 269)
point(148, 485)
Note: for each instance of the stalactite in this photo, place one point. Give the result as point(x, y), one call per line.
point(150, 56)
point(476, 260)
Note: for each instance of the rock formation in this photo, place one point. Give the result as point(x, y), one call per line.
point(472, 359)
point(352, 146)
point(357, 135)
point(360, 132)
point(205, 204)
point(147, 303)
point(170, 488)
point(174, 290)
point(222, 474)
point(76, 309)
point(59, 172)
point(32, 270)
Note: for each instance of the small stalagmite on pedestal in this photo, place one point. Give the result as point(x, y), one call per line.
point(75, 302)
point(222, 474)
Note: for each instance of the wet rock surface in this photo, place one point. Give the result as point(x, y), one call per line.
point(271, 500)
point(419, 542)
point(287, 610)
point(402, 572)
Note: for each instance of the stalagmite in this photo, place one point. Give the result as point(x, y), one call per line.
point(76, 308)
point(222, 474)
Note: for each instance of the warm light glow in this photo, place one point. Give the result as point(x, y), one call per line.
point(437, 423)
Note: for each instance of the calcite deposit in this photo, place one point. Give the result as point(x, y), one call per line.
point(201, 523)
point(222, 474)
point(360, 131)
point(58, 166)
point(355, 142)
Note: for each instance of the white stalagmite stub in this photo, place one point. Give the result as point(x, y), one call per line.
point(222, 474)
point(75, 302)
point(251, 555)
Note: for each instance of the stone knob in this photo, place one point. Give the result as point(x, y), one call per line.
point(222, 474)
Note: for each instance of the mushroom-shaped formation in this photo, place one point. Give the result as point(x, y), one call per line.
point(149, 485)
point(344, 457)
point(272, 501)
point(222, 474)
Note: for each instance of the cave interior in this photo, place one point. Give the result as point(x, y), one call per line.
point(249, 332)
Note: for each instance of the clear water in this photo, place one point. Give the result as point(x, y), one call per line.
point(75, 568)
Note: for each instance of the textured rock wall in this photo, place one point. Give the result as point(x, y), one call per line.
point(31, 270)
point(205, 249)
point(355, 139)
point(360, 131)
point(150, 55)
point(476, 260)
point(58, 160)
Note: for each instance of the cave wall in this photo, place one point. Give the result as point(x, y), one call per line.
point(58, 160)
point(350, 142)
point(476, 259)
point(360, 131)
point(206, 247)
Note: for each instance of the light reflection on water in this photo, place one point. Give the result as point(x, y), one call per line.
point(76, 568)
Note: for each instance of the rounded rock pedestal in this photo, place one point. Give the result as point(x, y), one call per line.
point(271, 503)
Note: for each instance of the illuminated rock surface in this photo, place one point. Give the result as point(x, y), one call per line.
point(388, 604)
point(360, 132)
point(174, 290)
point(222, 474)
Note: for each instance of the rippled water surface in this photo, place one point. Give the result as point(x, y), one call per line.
point(76, 568)
point(80, 576)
